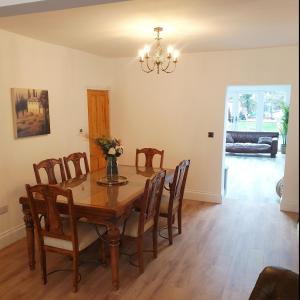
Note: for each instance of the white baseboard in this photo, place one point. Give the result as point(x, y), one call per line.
point(13, 234)
point(202, 196)
point(289, 207)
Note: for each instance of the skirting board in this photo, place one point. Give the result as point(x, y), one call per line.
point(289, 207)
point(201, 196)
point(12, 235)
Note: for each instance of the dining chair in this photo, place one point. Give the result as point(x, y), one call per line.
point(146, 218)
point(49, 166)
point(149, 154)
point(172, 203)
point(61, 235)
point(76, 158)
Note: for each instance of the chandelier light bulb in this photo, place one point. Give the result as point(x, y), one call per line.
point(141, 54)
point(175, 55)
point(170, 50)
point(147, 49)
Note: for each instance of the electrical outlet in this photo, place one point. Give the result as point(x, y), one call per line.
point(3, 209)
point(210, 134)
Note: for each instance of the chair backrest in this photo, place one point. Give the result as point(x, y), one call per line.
point(53, 222)
point(75, 158)
point(49, 165)
point(149, 153)
point(178, 184)
point(149, 208)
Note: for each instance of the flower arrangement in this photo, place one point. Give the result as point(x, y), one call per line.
point(111, 147)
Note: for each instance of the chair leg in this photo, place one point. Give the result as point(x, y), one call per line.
point(179, 221)
point(44, 266)
point(102, 256)
point(140, 248)
point(75, 272)
point(170, 233)
point(154, 237)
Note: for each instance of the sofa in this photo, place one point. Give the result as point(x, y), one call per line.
point(276, 283)
point(252, 142)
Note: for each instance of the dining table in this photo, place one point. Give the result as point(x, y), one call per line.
point(107, 205)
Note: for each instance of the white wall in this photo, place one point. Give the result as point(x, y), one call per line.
point(175, 111)
point(66, 74)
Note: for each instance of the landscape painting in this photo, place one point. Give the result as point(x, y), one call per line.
point(31, 112)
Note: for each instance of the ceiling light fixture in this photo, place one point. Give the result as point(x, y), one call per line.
point(158, 59)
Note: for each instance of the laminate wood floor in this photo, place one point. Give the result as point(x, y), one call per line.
point(254, 177)
point(219, 256)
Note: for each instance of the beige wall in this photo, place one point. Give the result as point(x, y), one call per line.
point(66, 73)
point(175, 111)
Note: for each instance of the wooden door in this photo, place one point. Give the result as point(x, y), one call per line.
point(98, 113)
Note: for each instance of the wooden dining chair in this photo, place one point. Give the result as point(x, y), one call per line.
point(147, 217)
point(172, 203)
point(76, 158)
point(49, 165)
point(149, 154)
point(61, 235)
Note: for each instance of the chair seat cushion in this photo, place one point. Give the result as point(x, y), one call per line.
point(164, 204)
point(132, 224)
point(86, 236)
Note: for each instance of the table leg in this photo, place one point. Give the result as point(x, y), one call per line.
point(30, 239)
point(114, 242)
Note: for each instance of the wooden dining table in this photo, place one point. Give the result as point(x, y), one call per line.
point(98, 204)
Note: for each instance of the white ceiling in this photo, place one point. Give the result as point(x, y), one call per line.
point(119, 29)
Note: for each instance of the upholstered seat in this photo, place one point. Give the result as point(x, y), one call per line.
point(64, 235)
point(164, 204)
point(132, 225)
point(171, 203)
point(147, 217)
point(86, 236)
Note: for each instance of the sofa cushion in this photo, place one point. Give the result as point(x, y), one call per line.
point(265, 140)
point(247, 147)
point(229, 138)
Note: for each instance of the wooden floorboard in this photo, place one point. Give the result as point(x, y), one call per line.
point(253, 177)
point(218, 257)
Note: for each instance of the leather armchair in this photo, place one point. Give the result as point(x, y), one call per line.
point(276, 283)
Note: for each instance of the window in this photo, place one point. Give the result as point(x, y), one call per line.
point(256, 108)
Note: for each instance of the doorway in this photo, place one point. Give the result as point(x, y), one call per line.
point(254, 111)
point(98, 118)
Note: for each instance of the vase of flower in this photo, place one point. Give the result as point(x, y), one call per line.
point(111, 167)
point(111, 149)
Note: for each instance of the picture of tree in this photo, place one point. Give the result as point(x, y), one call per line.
point(31, 112)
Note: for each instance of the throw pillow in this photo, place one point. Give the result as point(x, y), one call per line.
point(265, 140)
point(229, 138)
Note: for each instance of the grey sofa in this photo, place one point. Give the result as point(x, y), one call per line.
point(252, 142)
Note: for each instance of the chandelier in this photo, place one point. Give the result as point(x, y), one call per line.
point(158, 59)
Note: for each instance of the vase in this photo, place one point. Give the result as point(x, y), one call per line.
point(283, 148)
point(111, 167)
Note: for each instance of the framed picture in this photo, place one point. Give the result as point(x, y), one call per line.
point(31, 112)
